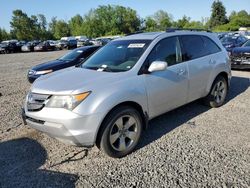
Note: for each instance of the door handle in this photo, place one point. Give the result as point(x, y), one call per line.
point(181, 71)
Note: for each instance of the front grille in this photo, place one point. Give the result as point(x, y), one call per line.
point(36, 102)
point(241, 58)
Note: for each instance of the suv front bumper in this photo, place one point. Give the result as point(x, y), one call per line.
point(64, 125)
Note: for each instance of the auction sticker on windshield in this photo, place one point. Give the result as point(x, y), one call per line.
point(136, 45)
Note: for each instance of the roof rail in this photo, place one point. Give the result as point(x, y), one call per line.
point(136, 32)
point(186, 29)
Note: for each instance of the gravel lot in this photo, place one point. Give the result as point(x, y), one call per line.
point(192, 146)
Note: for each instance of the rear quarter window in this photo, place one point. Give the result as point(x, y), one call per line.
point(210, 46)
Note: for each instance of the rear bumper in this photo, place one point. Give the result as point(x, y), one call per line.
point(64, 125)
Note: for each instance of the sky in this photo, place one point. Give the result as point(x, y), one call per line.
point(65, 9)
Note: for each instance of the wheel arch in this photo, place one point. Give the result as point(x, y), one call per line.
point(135, 105)
point(224, 74)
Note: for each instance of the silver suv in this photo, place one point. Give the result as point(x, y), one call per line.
point(110, 98)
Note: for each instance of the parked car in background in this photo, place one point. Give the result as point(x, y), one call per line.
point(72, 58)
point(109, 100)
point(45, 46)
point(221, 34)
point(29, 47)
point(9, 46)
point(232, 41)
point(240, 56)
point(84, 42)
point(103, 41)
point(67, 44)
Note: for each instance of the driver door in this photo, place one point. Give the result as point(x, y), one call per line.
point(166, 89)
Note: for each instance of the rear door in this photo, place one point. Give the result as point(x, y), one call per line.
point(198, 53)
point(166, 89)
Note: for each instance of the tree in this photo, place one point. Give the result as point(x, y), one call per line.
point(75, 25)
point(218, 16)
point(150, 24)
point(182, 22)
point(22, 26)
point(110, 20)
point(61, 29)
point(159, 21)
point(194, 24)
point(236, 20)
point(163, 20)
point(4, 35)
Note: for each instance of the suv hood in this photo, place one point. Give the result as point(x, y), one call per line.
point(74, 81)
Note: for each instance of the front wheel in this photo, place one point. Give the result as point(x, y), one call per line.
point(121, 132)
point(218, 93)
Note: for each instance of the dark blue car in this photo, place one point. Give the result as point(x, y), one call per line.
point(72, 58)
point(232, 41)
point(240, 56)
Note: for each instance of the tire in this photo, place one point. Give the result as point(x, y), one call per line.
point(120, 132)
point(218, 93)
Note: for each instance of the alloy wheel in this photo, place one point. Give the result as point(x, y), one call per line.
point(123, 133)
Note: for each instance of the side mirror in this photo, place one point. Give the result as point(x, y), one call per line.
point(157, 66)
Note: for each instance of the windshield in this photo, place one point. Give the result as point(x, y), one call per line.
point(228, 39)
point(117, 56)
point(247, 44)
point(71, 55)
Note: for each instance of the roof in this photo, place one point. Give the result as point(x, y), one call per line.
point(153, 35)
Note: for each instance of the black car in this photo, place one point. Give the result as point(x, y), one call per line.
point(67, 44)
point(73, 58)
point(232, 41)
point(240, 57)
point(8, 47)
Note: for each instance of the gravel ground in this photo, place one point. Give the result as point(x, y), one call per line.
point(192, 146)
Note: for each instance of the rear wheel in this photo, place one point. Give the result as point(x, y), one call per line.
point(121, 132)
point(218, 93)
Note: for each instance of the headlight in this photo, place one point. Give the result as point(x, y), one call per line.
point(43, 72)
point(68, 102)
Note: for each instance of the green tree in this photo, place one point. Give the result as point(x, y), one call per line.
point(218, 16)
point(4, 35)
point(75, 25)
point(110, 20)
point(150, 24)
point(22, 26)
point(182, 22)
point(61, 29)
point(159, 21)
point(163, 19)
point(236, 20)
point(43, 33)
point(194, 25)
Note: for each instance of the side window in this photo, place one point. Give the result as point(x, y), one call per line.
point(167, 50)
point(193, 47)
point(210, 46)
